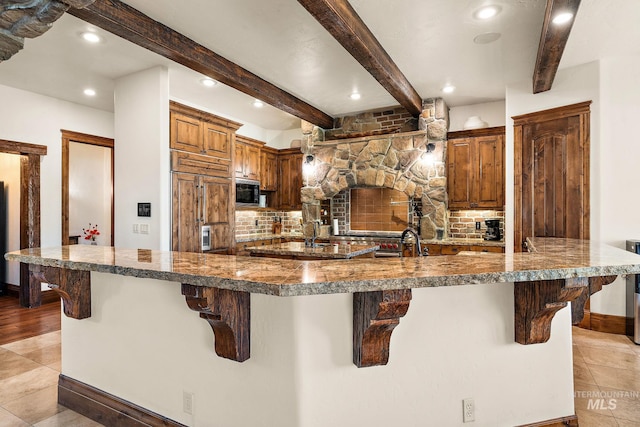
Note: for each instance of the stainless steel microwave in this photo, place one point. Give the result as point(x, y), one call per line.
point(247, 192)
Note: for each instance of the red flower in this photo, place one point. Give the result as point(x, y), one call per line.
point(91, 232)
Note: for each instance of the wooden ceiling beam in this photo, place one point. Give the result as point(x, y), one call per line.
point(553, 40)
point(345, 25)
point(132, 25)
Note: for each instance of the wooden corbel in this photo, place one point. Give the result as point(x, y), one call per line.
point(595, 285)
point(375, 315)
point(537, 302)
point(73, 286)
point(228, 313)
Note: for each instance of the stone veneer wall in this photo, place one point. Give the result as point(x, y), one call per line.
point(462, 224)
point(384, 120)
point(246, 221)
point(392, 160)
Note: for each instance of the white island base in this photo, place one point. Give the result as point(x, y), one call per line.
point(143, 344)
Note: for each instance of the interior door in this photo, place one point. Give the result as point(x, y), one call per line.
point(552, 174)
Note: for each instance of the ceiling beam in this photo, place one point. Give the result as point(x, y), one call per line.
point(341, 20)
point(553, 39)
point(132, 25)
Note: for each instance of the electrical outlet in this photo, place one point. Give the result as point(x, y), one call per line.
point(187, 402)
point(477, 225)
point(144, 228)
point(468, 411)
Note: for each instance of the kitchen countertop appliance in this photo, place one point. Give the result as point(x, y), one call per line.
point(493, 229)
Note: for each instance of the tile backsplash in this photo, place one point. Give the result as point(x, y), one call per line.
point(246, 221)
point(462, 224)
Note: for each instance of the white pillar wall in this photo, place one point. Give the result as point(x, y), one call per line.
point(142, 170)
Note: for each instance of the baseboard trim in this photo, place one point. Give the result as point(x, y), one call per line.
point(47, 296)
point(611, 324)
point(106, 408)
point(571, 421)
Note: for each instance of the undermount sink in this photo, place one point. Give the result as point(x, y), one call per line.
point(321, 245)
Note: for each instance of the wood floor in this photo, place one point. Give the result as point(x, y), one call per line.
point(17, 323)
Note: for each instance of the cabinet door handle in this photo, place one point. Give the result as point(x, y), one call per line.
point(204, 205)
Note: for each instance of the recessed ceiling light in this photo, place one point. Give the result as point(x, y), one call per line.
point(487, 12)
point(355, 96)
point(208, 82)
point(448, 89)
point(562, 18)
point(258, 104)
point(91, 37)
point(486, 38)
point(90, 92)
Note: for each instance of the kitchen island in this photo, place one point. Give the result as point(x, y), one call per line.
point(129, 333)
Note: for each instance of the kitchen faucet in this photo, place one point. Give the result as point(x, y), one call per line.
point(413, 232)
point(316, 233)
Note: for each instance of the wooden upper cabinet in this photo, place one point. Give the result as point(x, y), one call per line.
point(290, 178)
point(186, 133)
point(268, 169)
point(247, 158)
point(475, 168)
point(216, 140)
point(199, 132)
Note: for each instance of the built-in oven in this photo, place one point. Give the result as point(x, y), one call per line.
point(247, 192)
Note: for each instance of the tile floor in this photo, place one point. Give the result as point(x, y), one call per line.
point(606, 379)
point(603, 363)
point(29, 372)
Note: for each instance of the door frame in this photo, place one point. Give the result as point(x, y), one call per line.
point(82, 138)
point(30, 155)
point(582, 110)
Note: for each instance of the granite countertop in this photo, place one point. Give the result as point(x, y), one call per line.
point(463, 242)
point(324, 250)
point(553, 259)
point(243, 238)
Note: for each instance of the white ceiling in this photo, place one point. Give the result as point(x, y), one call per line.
point(430, 40)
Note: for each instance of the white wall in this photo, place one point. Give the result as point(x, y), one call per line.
point(282, 139)
point(10, 175)
point(491, 112)
point(142, 170)
point(454, 343)
point(618, 206)
point(90, 190)
point(36, 119)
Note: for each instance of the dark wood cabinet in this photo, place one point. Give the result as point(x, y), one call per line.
point(202, 185)
point(199, 132)
point(290, 179)
point(268, 169)
point(247, 158)
point(202, 200)
point(475, 168)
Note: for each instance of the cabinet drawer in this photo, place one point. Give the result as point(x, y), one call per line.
point(495, 249)
point(454, 249)
point(199, 164)
point(434, 250)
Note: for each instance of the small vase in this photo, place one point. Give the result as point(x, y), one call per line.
point(94, 243)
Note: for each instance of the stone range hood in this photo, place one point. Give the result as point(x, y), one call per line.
point(392, 160)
